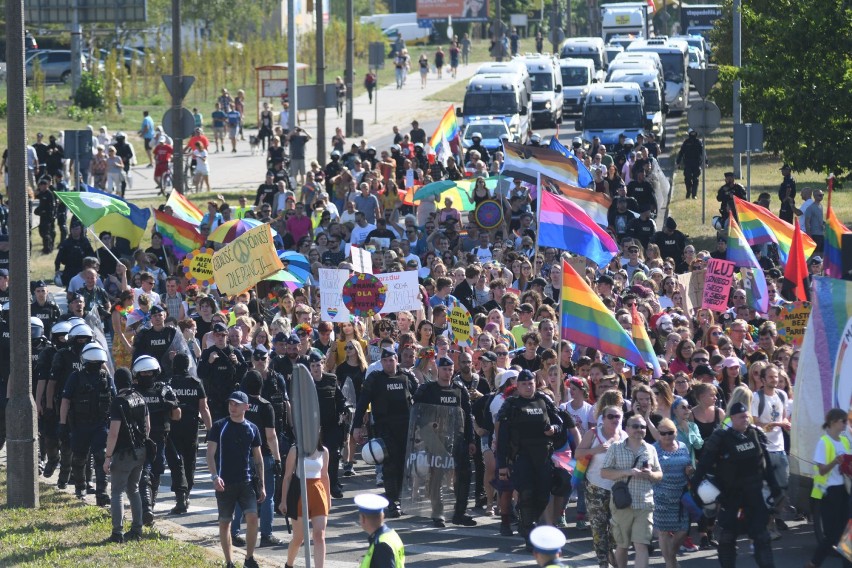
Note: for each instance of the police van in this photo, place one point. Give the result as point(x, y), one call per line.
point(653, 98)
point(502, 96)
point(591, 48)
point(546, 93)
point(638, 59)
point(612, 109)
point(578, 75)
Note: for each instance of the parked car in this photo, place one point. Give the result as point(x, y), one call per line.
point(132, 57)
point(54, 63)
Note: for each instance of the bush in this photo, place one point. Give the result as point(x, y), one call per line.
point(90, 95)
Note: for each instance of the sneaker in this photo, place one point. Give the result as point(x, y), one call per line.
point(393, 513)
point(705, 543)
point(582, 525)
point(132, 535)
point(62, 485)
point(688, 545)
point(560, 523)
point(102, 500)
point(506, 530)
point(250, 562)
point(49, 468)
point(270, 540)
point(438, 523)
point(229, 564)
point(117, 538)
point(237, 540)
point(337, 492)
point(464, 520)
point(348, 469)
point(90, 490)
point(148, 518)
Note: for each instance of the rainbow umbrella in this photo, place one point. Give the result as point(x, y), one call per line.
point(297, 264)
point(287, 278)
point(434, 188)
point(230, 230)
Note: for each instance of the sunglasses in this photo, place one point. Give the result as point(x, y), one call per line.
point(260, 357)
point(681, 382)
point(502, 353)
point(301, 334)
point(701, 360)
point(638, 427)
point(350, 348)
point(666, 433)
point(613, 416)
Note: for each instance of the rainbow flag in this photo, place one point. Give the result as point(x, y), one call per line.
point(181, 235)
point(834, 231)
point(448, 128)
point(644, 345)
point(528, 162)
point(584, 176)
point(740, 253)
point(586, 321)
point(760, 227)
point(596, 205)
point(184, 209)
point(564, 225)
point(459, 194)
point(579, 466)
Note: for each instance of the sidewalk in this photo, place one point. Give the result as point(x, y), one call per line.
point(242, 171)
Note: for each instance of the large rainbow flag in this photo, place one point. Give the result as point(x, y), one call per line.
point(644, 345)
point(586, 320)
point(596, 205)
point(182, 236)
point(564, 225)
point(183, 208)
point(448, 128)
point(739, 252)
point(834, 231)
point(529, 162)
point(760, 227)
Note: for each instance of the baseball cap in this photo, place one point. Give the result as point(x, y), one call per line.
point(445, 362)
point(219, 328)
point(239, 396)
point(702, 370)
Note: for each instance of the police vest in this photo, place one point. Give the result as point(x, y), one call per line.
point(273, 392)
point(92, 398)
point(161, 400)
point(392, 539)
point(821, 481)
point(391, 397)
point(528, 419)
point(132, 434)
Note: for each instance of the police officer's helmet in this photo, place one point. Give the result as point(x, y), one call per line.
point(476, 136)
point(374, 451)
point(145, 363)
point(692, 132)
point(419, 146)
point(371, 149)
point(80, 330)
point(119, 136)
point(36, 328)
point(535, 138)
point(335, 154)
point(396, 148)
point(504, 137)
point(94, 353)
point(61, 328)
point(629, 142)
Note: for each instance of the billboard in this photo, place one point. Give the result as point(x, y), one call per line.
point(460, 10)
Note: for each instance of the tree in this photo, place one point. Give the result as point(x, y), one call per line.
point(797, 78)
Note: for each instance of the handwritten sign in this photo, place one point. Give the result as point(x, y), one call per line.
point(403, 293)
point(460, 324)
point(794, 320)
point(364, 295)
point(198, 266)
point(717, 284)
point(245, 261)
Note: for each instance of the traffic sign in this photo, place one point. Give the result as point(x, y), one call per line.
point(703, 79)
point(747, 137)
point(704, 117)
point(306, 418)
point(186, 125)
point(185, 84)
point(377, 54)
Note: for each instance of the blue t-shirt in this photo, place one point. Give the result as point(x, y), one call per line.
point(234, 118)
point(219, 118)
point(235, 442)
point(148, 128)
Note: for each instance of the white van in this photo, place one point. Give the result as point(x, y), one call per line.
point(613, 109)
point(578, 75)
point(653, 98)
point(592, 48)
point(384, 21)
point(511, 67)
point(410, 33)
point(641, 58)
point(546, 93)
point(498, 96)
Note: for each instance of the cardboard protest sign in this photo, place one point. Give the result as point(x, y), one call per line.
point(364, 295)
point(794, 318)
point(198, 266)
point(461, 324)
point(403, 293)
point(717, 284)
point(245, 261)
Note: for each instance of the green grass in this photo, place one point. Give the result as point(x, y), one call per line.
point(64, 532)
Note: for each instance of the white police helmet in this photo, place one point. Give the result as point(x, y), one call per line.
point(707, 492)
point(476, 135)
point(81, 330)
point(61, 328)
point(374, 451)
point(145, 363)
point(36, 327)
point(94, 353)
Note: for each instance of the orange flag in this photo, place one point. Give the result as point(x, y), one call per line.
point(796, 270)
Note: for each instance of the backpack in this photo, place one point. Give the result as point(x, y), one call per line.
point(761, 405)
point(481, 410)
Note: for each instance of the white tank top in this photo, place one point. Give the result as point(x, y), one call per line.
point(313, 466)
point(593, 474)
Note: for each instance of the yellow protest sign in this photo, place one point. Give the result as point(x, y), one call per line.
point(198, 266)
point(245, 261)
point(794, 318)
point(460, 324)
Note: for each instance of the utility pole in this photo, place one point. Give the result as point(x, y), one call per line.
point(20, 416)
point(293, 97)
point(177, 96)
point(554, 32)
point(321, 83)
point(738, 63)
point(350, 66)
point(76, 47)
point(568, 31)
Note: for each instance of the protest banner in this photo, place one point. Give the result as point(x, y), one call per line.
point(245, 261)
point(403, 293)
point(794, 321)
point(362, 261)
point(364, 295)
point(198, 266)
point(460, 324)
point(717, 284)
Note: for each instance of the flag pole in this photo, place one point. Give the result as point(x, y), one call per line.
point(537, 216)
point(102, 244)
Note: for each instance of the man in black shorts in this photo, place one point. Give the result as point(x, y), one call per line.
point(232, 445)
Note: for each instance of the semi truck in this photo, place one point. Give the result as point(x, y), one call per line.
point(698, 18)
point(626, 18)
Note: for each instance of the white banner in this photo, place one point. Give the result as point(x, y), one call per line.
point(362, 261)
point(403, 292)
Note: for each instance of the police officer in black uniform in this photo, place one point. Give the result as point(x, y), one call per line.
point(38, 344)
point(124, 151)
point(46, 213)
point(275, 391)
point(182, 447)
point(284, 363)
point(787, 195)
point(740, 461)
point(527, 423)
point(725, 196)
point(221, 368)
point(156, 340)
point(87, 398)
point(44, 308)
point(163, 408)
point(444, 391)
point(333, 414)
point(389, 394)
point(692, 155)
point(47, 418)
point(476, 144)
point(5, 369)
point(66, 361)
point(129, 425)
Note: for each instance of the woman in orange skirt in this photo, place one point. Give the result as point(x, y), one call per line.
point(319, 501)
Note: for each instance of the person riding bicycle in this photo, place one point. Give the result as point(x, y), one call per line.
point(163, 153)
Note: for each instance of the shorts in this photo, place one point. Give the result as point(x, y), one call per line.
point(233, 130)
point(148, 142)
point(219, 132)
point(318, 505)
point(780, 468)
point(242, 493)
point(297, 166)
point(160, 170)
point(630, 525)
point(485, 443)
